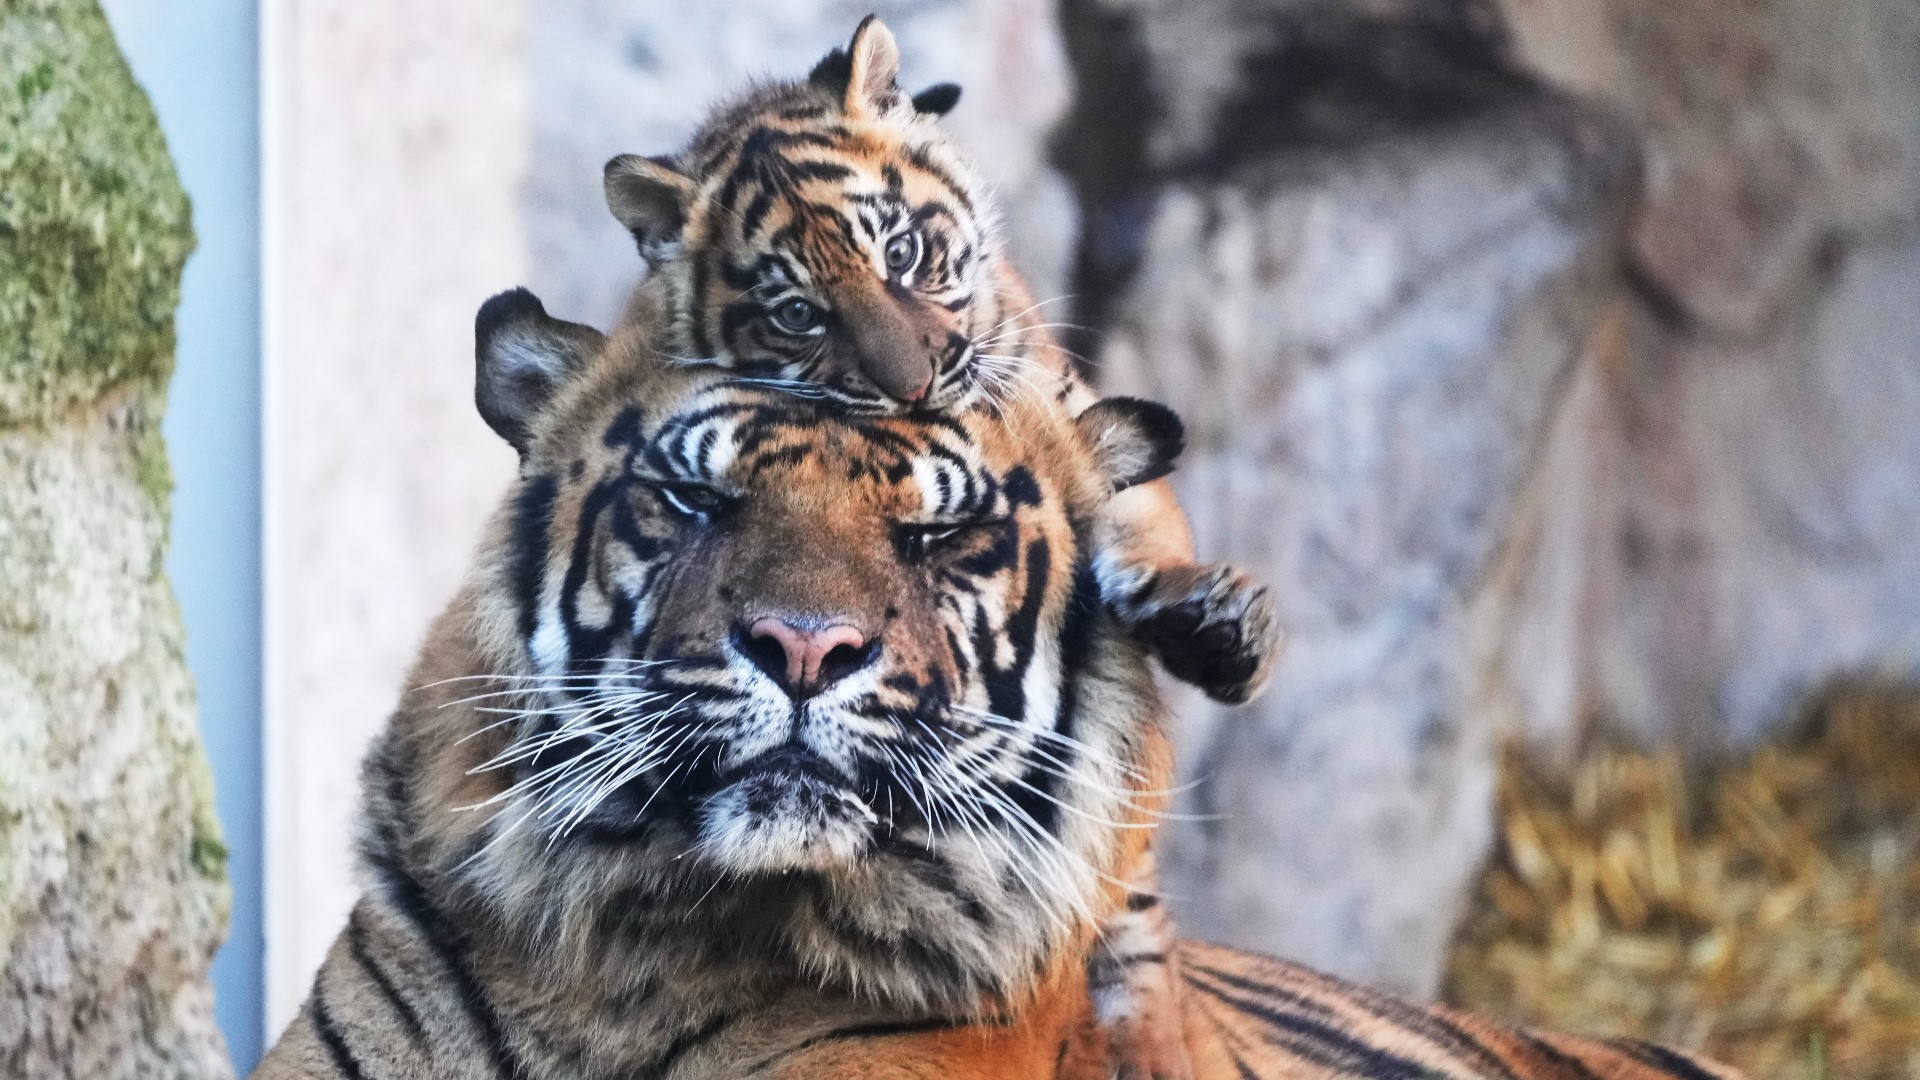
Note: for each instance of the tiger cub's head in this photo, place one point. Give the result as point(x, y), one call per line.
point(823, 234)
point(826, 695)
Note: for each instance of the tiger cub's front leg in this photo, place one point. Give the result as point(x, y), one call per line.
point(1134, 986)
point(1211, 624)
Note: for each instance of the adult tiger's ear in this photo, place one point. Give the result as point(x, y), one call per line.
point(521, 356)
point(1132, 439)
point(650, 196)
point(865, 73)
point(938, 99)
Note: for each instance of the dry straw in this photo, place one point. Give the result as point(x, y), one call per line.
point(1766, 911)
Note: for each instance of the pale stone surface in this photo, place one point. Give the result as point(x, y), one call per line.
point(613, 77)
point(395, 161)
point(113, 893)
point(1770, 131)
point(1760, 537)
point(1366, 363)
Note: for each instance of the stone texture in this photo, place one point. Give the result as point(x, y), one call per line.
point(612, 77)
point(1751, 446)
point(113, 893)
point(1771, 131)
point(1366, 363)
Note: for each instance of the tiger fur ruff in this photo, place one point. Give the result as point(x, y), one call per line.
point(763, 740)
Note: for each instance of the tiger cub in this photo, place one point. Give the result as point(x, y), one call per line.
point(763, 740)
point(826, 238)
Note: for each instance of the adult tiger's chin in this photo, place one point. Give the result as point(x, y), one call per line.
point(775, 819)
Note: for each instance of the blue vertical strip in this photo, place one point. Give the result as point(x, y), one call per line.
point(198, 60)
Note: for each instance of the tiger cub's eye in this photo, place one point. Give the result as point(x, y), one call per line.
point(903, 252)
point(797, 316)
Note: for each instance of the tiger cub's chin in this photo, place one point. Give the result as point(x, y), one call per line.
point(775, 821)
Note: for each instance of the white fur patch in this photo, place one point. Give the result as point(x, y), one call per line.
point(769, 822)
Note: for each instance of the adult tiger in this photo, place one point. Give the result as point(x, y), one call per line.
point(826, 237)
point(768, 741)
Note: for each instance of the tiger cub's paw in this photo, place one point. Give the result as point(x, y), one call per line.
point(1211, 625)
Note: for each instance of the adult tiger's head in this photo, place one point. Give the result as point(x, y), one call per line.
point(824, 233)
point(824, 695)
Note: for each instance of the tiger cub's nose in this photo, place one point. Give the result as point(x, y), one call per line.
point(806, 656)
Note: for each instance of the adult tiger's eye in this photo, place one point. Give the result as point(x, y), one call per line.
point(903, 251)
point(797, 316)
point(693, 500)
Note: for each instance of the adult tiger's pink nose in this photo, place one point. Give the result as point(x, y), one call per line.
point(814, 656)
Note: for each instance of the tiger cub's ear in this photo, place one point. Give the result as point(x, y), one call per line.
point(863, 74)
point(521, 356)
point(1132, 439)
point(650, 197)
point(938, 99)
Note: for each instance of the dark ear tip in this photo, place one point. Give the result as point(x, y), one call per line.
point(938, 99)
point(1147, 438)
point(503, 308)
point(1160, 424)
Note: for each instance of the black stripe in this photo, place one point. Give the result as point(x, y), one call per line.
point(1250, 986)
point(410, 899)
point(878, 1030)
point(921, 160)
point(679, 1047)
point(1444, 1033)
point(585, 643)
point(1569, 1067)
point(1322, 1042)
point(532, 521)
point(1006, 690)
point(1671, 1062)
point(357, 945)
point(1226, 1043)
point(344, 1062)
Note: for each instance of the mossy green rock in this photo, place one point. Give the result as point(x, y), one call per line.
point(113, 894)
point(94, 227)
